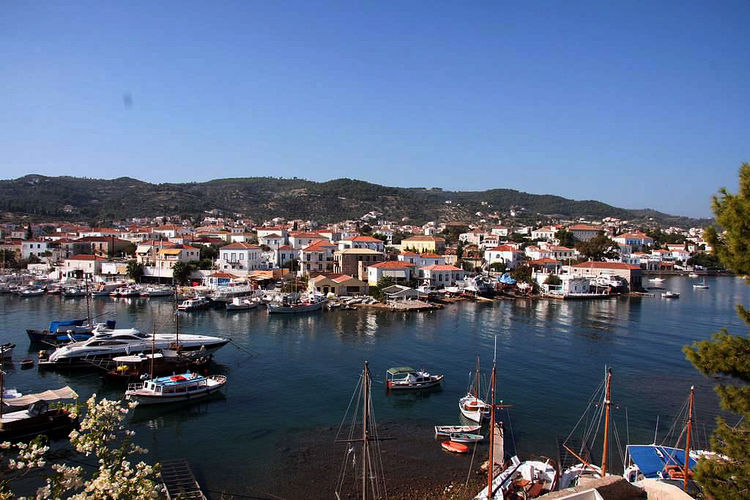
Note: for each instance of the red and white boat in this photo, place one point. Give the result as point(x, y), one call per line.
point(447, 430)
point(471, 406)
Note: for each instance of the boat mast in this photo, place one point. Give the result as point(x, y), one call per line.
point(2, 391)
point(365, 416)
point(476, 381)
point(687, 442)
point(491, 462)
point(88, 302)
point(607, 404)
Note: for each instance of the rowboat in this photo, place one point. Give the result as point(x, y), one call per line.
point(447, 430)
point(455, 447)
point(462, 437)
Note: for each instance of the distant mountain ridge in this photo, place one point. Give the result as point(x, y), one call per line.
point(261, 198)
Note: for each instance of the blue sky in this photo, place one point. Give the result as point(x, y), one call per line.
point(638, 104)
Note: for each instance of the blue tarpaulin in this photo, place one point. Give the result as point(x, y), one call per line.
point(651, 459)
point(54, 325)
point(505, 279)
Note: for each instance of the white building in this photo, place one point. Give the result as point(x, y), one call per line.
point(240, 258)
point(506, 254)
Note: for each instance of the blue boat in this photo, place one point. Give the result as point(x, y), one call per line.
point(61, 332)
point(655, 461)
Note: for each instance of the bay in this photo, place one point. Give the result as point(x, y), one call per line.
point(292, 376)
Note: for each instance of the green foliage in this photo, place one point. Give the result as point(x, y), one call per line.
point(566, 238)
point(727, 356)
point(130, 249)
point(553, 280)
point(210, 252)
point(135, 270)
point(661, 238)
point(498, 267)
point(365, 229)
point(181, 272)
point(266, 197)
point(599, 247)
point(517, 237)
point(707, 260)
point(7, 258)
point(522, 274)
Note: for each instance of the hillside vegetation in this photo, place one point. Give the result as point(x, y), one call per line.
point(261, 198)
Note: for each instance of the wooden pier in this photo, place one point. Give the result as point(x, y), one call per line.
point(179, 481)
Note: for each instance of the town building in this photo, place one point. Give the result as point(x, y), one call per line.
point(355, 261)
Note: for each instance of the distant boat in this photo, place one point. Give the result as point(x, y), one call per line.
point(692, 275)
point(241, 304)
point(195, 304)
point(701, 286)
point(31, 292)
point(671, 295)
point(291, 306)
point(656, 280)
point(6, 350)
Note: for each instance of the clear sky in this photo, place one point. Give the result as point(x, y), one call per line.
point(638, 104)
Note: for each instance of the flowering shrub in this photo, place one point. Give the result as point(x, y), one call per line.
point(102, 434)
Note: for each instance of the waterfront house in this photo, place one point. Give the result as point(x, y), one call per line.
point(167, 257)
point(83, 266)
point(239, 258)
point(506, 254)
point(399, 271)
point(337, 284)
point(35, 247)
point(355, 261)
point(105, 246)
point(593, 269)
point(440, 275)
point(317, 257)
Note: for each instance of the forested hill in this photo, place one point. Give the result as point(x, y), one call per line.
point(264, 197)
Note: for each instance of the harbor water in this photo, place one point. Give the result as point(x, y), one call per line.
point(291, 377)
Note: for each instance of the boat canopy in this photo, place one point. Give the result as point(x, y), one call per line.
point(651, 459)
point(506, 279)
point(400, 370)
point(54, 325)
point(50, 395)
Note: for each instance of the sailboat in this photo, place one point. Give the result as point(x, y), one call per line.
point(666, 463)
point(471, 405)
point(368, 465)
point(701, 286)
point(527, 479)
point(571, 475)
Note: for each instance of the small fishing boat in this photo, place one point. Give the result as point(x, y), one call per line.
point(447, 430)
point(670, 295)
point(27, 364)
point(241, 304)
point(527, 479)
point(175, 388)
point(156, 291)
point(6, 350)
point(462, 437)
point(31, 292)
point(195, 304)
point(407, 378)
point(290, 305)
point(692, 275)
point(455, 447)
point(73, 292)
point(33, 416)
point(656, 280)
point(138, 366)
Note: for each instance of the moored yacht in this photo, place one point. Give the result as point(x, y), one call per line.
point(131, 341)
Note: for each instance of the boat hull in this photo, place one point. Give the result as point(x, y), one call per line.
point(297, 308)
point(447, 430)
point(455, 447)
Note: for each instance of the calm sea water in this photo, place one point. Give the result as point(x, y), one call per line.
point(292, 375)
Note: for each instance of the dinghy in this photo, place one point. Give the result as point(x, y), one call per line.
point(455, 447)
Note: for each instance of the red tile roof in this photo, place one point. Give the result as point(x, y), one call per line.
point(592, 264)
point(584, 227)
point(421, 237)
point(240, 246)
point(504, 248)
point(319, 246)
point(85, 257)
point(392, 264)
point(368, 239)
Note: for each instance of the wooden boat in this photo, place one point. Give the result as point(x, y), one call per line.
point(6, 350)
point(187, 386)
point(135, 367)
point(195, 304)
point(447, 430)
point(241, 304)
point(455, 447)
point(527, 479)
point(33, 416)
point(291, 306)
point(573, 474)
point(367, 471)
point(462, 437)
point(406, 378)
point(471, 406)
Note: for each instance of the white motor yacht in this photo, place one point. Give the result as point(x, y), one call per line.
point(131, 341)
